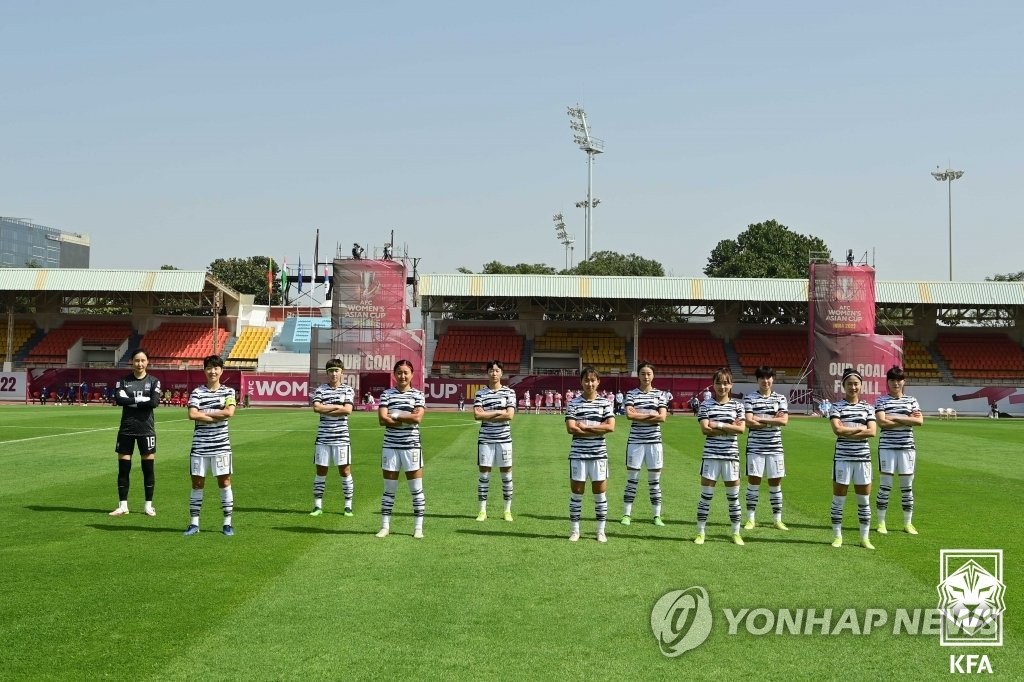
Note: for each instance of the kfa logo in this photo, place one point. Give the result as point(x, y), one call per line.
point(971, 597)
point(681, 620)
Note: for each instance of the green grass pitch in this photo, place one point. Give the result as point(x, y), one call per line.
point(87, 596)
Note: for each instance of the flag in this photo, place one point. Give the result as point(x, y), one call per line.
point(270, 281)
point(300, 273)
point(284, 277)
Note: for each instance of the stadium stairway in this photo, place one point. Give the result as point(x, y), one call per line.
point(228, 345)
point(20, 355)
point(734, 361)
point(134, 341)
point(941, 364)
point(524, 361)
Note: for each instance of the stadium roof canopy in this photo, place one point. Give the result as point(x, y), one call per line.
point(709, 289)
point(81, 288)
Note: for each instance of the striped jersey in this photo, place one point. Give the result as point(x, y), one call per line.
point(902, 437)
point(333, 430)
point(766, 441)
point(211, 438)
point(404, 436)
point(721, 447)
point(490, 400)
point(858, 414)
point(595, 411)
point(651, 402)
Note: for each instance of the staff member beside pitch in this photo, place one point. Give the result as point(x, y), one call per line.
point(400, 413)
point(494, 406)
point(853, 422)
point(897, 414)
point(333, 401)
point(138, 394)
point(767, 412)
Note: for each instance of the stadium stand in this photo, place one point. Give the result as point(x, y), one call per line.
point(53, 348)
point(690, 352)
point(784, 351)
point(24, 330)
point(178, 344)
point(246, 351)
point(464, 350)
point(918, 362)
point(989, 356)
point(601, 348)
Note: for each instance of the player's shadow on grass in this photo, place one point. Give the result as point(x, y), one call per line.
point(510, 533)
point(45, 508)
point(321, 531)
point(144, 529)
point(268, 510)
point(431, 515)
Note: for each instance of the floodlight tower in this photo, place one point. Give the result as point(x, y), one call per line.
point(591, 146)
point(564, 238)
point(948, 176)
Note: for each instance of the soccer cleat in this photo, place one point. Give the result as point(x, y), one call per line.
point(699, 540)
point(149, 511)
point(780, 525)
point(228, 530)
point(191, 530)
point(865, 542)
point(910, 529)
point(120, 511)
point(482, 516)
point(601, 537)
point(626, 520)
point(574, 536)
point(658, 521)
point(317, 511)
point(507, 516)
point(736, 539)
point(882, 530)
point(418, 533)
point(383, 532)
point(348, 511)
point(749, 525)
point(837, 541)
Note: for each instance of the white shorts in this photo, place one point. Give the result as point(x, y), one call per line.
point(409, 459)
point(205, 465)
point(489, 453)
point(896, 461)
point(594, 469)
point(644, 454)
point(766, 466)
point(845, 472)
point(727, 470)
point(324, 455)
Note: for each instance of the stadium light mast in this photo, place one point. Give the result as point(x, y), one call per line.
point(591, 146)
point(564, 238)
point(948, 176)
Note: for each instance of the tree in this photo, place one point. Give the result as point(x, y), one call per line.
point(168, 267)
point(249, 276)
point(767, 249)
point(496, 268)
point(611, 263)
point(1009, 277)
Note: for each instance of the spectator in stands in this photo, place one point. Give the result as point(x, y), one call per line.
point(588, 419)
point(646, 410)
point(333, 401)
point(138, 394)
point(210, 406)
point(896, 414)
point(357, 251)
point(400, 413)
point(494, 408)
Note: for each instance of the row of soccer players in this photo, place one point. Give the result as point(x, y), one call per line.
point(589, 418)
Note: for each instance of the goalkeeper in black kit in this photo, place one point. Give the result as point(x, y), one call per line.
point(138, 394)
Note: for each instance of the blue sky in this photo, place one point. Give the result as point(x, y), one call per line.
point(182, 132)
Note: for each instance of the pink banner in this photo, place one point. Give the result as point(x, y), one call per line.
point(870, 354)
point(842, 299)
point(275, 389)
point(369, 293)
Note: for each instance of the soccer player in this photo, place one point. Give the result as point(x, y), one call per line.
point(494, 407)
point(646, 411)
point(853, 422)
point(333, 401)
point(400, 413)
point(721, 421)
point(767, 412)
point(896, 415)
point(210, 407)
point(138, 394)
point(588, 419)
